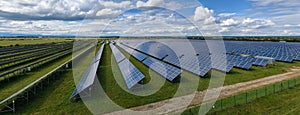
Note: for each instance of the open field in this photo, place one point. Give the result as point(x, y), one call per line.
point(56, 97)
point(285, 102)
point(259, 100)
point(18, 76)
point(26, 41)
point(9, 88)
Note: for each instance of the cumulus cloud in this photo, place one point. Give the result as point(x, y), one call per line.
point(59, 9)
point(204, 14)
point(64, 16)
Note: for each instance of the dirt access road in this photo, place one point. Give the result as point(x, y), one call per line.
point(177, 104)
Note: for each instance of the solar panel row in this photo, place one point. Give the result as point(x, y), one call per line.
point(117, 54)
point(286, 52)
point(185, 61)
point(195, 63)
point(129, 72)
point(260, 62)
point(167, 71)
point(89, 76)
point(185, 57)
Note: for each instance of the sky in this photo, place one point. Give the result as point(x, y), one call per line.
point(150, 17)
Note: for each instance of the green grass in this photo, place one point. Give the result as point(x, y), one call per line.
point(8, 42)
point(248, 97)
point(282, 102)
point(285, 102)
point(54, 99)
point(9, 88)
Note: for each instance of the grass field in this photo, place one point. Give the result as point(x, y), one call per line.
point(9, 88)
point(285, 102)
point(55, 99)
point(245, 98)
point(8, 42)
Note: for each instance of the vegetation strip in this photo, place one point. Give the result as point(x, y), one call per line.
point(4, 102)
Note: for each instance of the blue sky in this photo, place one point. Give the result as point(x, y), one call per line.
point(150, 17)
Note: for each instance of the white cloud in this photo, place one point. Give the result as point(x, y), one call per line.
point(110, 4)
point(108, 13)
point(40, 27)
point(159, 3)
point(229, 22)
point(257, 23)
point(62, 17)
point(226, 14)
point(237, 25)
point(151, 3)
point(265, 2)
point(204, 14)
point(276, 2)
point(290, 25)
point(58, 9)
point(286, 31)
point(224, 29)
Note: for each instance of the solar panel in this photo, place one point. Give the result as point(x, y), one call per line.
point(118, 55)
point(89, 76)
point(297, 58)
point(263, 63)
point(129, 72)
point(139, 56)
point(167, 71)
point(126, 48)
point(194, 65)
point(173, 60)
point(283, 52)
